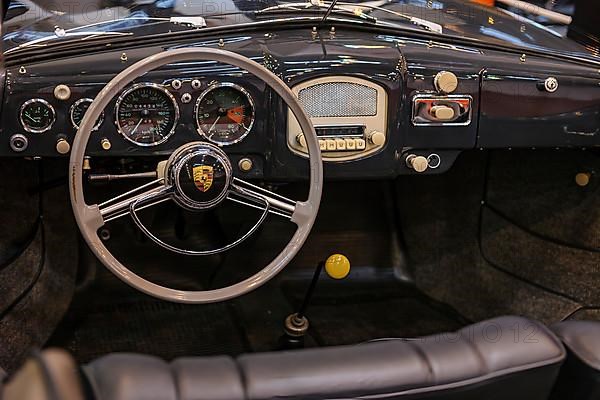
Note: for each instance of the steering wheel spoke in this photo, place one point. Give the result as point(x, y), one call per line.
point(144, 196)
point(254, 196)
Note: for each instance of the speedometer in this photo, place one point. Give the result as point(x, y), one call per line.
point(224, 113)
point(146, 114)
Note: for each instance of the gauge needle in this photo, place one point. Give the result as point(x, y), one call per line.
point(31, 118)
point(137, 126)
point(213, 125)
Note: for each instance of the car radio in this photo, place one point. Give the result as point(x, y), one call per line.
point(349, 115)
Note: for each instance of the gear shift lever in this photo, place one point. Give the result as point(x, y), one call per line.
point(337, 266)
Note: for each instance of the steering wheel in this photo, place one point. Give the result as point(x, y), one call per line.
point(197, 176)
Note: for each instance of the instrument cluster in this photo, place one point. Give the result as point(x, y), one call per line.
point(147, 114)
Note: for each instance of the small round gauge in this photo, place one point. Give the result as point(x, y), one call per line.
point(224, 113)
point(37, 116)
point(78, 110)
point(146, 114)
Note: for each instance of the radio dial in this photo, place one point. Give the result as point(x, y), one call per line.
point(377, 138)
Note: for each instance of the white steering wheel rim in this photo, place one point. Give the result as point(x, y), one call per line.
point(88, 217)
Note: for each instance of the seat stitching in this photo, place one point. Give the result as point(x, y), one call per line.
point(422, 354)
point(175, 385)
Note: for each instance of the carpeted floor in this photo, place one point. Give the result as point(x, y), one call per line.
point(365, 306)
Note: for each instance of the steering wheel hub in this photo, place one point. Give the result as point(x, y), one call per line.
point(200, 174)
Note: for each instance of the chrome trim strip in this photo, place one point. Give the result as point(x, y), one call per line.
point(449, 97)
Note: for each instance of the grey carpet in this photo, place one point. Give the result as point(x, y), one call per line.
point(440, 221)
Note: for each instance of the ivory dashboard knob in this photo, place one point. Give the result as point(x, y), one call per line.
point(445, 82)
point(377, 138)
point(418, 163)
point(62, 146)
point(105, 144)
point(301, 140)
point(442, 113)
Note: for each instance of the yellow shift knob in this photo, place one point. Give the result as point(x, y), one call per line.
point(337, 266)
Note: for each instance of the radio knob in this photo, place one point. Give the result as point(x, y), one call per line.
point(418, 163)
point(301, 140)
point(62, 146)
point(377, 138)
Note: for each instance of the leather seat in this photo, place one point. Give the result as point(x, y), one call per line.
point(503, 358)
point(579, 377)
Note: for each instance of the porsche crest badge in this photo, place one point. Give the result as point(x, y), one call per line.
point(203, 177)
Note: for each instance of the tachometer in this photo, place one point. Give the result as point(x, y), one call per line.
point(78, 110)
point(146, 114)
point(37, 116)
point(224, 113)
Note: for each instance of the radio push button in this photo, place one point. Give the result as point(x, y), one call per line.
point(350, 144)
point(361, 144)
point(331, 145)
point(340, 144)
point(322, 144)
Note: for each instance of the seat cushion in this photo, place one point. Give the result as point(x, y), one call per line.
point(580, 376)
point(52, 375)
point(507, 357)
point(142, 377)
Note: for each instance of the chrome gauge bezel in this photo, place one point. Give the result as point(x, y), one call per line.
point(154, 86)
point(210, 89)
point(77, 103)
point(33, 130)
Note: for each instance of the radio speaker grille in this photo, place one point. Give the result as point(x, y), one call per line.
point(339, 99)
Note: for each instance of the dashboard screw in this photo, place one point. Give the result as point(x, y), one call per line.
point(523, 58)
point(186, 98)
point(124, 57)
point(196, 84)
point(176, 84)
point(22, 70)
point(221, 43)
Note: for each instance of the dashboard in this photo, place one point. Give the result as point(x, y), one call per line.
point(381, 105)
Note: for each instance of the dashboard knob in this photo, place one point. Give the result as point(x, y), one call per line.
point(377, 138)
point(62, 146)
point(18, 142)
point(442, 113)
point(445, 82)
point(418, 163)
point(245, 164)
point(106, 144)
point(62, 92)
point(301, 140)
